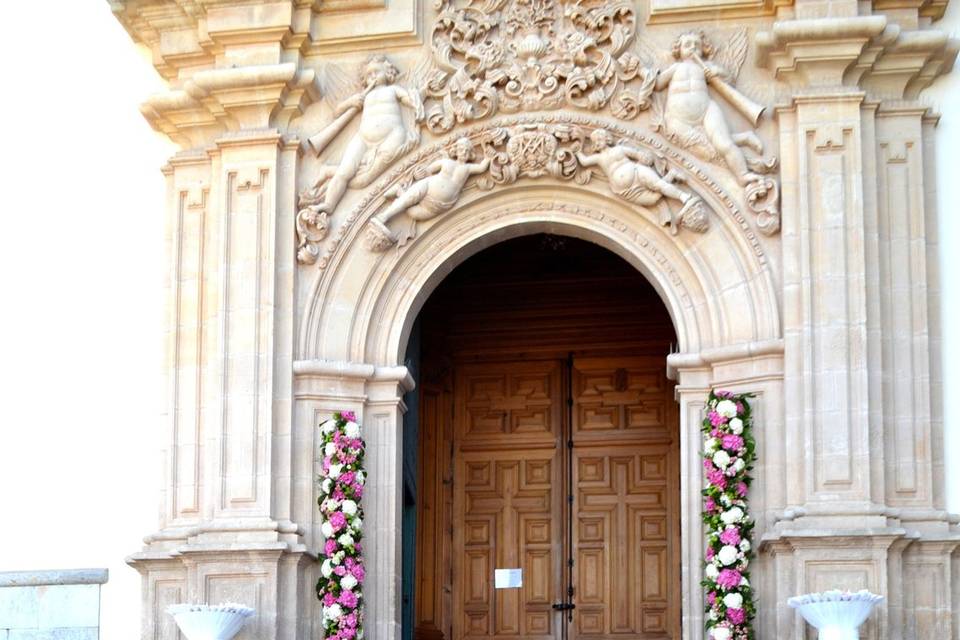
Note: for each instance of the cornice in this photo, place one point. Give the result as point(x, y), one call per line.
point(863, 52)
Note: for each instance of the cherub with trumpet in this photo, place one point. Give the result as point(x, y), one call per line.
point(691, 118)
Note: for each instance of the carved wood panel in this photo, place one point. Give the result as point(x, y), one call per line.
point(625, 485)
point(508, 498)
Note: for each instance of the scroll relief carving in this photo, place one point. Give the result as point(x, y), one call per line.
point(524, 55)
point(534, 150)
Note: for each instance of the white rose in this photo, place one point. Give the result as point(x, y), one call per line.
point(727, 409)
point(720, 458)
point(733, 600)
point(326, 485)
point(720, 633)
point(732, 516)
point(346, 539)
point(736, 425)
point(727, 555)
point(711, 445)
point(739, 464)
point(330, 449)
point(334, 471)
point(357, 524)
point(349, 507)
point(361, 477)
point(744, 545)
point(326, 569)
point(333, 612)
point(352, 430)
point(711, 571)
point(327, 530)
point(348, 582)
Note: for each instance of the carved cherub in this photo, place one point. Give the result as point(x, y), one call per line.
point(690, 116)
point(383, 135)
point(631, 174)
point(428, 197)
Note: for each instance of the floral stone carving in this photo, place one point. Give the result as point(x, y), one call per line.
point(532, 151)
point(513, 55)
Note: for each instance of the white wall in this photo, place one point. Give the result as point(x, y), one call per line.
point(80, 298)
point(82, 264)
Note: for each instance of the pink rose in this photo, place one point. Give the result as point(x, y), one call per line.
point(711, 597)
point(358, 572)
point(348, 599)
point(350, 620)
point(329, 599)
point(710, 554)
point(741, 489)
point(716, 419)
point(709, 506)
point(716, 479)
point(340, 571)
point(330, 547)
point(736, 616)
point(729, 578)
point(707, 464)
point(349, 416)
point(730, 536)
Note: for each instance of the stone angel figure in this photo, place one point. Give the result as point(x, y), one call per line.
point(632, 174)
point(383, 135)
point(692, 119)
point(430, 196)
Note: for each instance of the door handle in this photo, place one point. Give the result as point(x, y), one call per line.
point(564, 606)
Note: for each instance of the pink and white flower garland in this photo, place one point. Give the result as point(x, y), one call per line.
point(341, 489)
point(729, 451)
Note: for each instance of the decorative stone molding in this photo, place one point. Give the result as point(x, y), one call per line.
point(552, 146)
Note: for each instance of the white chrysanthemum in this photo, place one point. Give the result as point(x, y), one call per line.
point(326, 568)
point(327, 530)
point(329, 449)
point(334, 471)
point(733, 600)
point(348, 582)
point(721, 459)
point(744, 545)
point(727, 408)
point(352, 430)
point(349, 507)
point(346, 539)
point(732, 516)
point(736, 426)
point(727, 555)
point(712, 571)
point(720, 633)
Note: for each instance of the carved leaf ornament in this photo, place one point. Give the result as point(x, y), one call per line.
point(493, 56)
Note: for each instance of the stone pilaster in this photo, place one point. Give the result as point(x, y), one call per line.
point(858, 333)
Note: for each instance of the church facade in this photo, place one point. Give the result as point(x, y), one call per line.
point(522, 240)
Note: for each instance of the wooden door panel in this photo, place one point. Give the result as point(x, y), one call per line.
point(508, 493)
point(625, 525)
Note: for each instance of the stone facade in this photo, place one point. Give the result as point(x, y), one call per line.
point(51, 605)
point(771, 172)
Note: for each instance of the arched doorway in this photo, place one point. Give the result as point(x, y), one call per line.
point(546, 440)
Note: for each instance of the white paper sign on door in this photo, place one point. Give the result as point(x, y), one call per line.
point(507, 578)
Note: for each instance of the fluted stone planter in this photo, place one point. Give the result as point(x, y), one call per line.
point(836, 614)
point(210, 622)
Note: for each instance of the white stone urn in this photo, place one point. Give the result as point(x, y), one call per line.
point(836, 614)
point(208, 621)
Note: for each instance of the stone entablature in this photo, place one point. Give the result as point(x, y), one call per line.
point(792, 248)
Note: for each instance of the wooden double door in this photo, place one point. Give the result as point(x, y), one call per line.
point(564, 469)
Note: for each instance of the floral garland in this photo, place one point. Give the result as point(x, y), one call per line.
point(341, 489)
point(729, 451)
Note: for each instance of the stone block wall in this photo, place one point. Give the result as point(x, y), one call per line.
point(51, 605)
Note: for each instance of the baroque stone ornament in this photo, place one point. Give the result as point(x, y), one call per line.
point(427, 197)
point(690, 118)
point(521, 55)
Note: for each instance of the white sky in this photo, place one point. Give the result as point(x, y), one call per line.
point(82, 267)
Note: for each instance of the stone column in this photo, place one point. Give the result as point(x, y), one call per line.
point(856, 240)
point(227, 528)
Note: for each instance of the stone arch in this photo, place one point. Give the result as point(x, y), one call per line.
point(717, 286)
